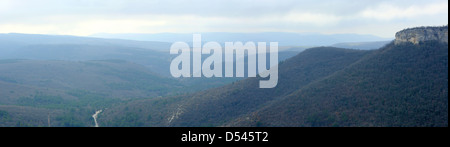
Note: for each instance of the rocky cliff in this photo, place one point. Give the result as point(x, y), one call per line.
point(420, 34)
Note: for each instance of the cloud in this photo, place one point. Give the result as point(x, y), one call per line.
point(312, 18)
point(25, 28)
point(85, 17)
point(5, 5)
point(390, 12)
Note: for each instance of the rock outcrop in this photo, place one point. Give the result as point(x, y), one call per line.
point(420, 34)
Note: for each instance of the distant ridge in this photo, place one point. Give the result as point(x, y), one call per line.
point(403, 85)
point(284, 39)
point(362, 45)
point(19, 40)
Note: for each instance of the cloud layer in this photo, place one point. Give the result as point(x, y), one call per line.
point(85, 17)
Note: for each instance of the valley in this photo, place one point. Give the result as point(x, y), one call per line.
point(66, 81)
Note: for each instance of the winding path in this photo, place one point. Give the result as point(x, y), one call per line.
point(95, 117)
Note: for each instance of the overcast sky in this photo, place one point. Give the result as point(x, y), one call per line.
point(85, 17)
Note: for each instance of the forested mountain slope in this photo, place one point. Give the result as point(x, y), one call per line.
point(216, 106)
point(399, 85)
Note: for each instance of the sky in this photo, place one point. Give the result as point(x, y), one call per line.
point(87, 17)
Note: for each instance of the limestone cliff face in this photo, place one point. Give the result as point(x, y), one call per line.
point(420, 34)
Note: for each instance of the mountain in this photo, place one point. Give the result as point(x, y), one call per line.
point(69, 78)
point(422, 34)
point(153, 55)
point(113, 77)
point(401, 84)
point(15, 40)
point(404, 83)
point(70, 91)
point(284, 39)
point(216, 106)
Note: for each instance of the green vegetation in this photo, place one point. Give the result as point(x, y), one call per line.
point(69, 120)
point(398, 85)
point(128, 120)
point(404, 85)
point(216, 106)
point(75, 89)
point(42, 101)
point(4, 115)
